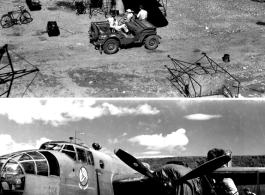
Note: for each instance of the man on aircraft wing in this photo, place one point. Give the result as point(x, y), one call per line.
point(222, 186)
point(172, 172)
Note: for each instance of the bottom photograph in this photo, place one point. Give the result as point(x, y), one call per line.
point(143, 147)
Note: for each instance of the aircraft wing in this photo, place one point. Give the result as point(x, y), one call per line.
point(131, 184)
point(242, 175)
point(154, 15)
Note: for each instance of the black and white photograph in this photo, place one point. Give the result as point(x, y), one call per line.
point(132, 97)
point(114, 147)
point(132, 49)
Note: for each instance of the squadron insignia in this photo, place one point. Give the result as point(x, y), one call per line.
point(83, 178)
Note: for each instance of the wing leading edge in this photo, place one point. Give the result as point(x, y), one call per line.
point(242, 175)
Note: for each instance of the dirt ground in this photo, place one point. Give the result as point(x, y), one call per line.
point(71, 67)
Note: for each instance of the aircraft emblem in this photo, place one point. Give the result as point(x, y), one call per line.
point(83, 178)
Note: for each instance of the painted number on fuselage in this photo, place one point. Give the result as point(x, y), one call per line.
point(83, 178)
point(51, 191)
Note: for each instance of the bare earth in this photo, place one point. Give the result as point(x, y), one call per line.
point(71, 67)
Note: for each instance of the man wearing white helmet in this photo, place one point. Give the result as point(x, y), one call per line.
point(129, 16)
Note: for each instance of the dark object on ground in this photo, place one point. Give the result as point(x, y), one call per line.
point(53, 29)
point(21, 16)
point(260, 1)
point(34, 5)
point(155, 16)
point(260, 23)
point(110, 40)
point(202, 78)
point(226, 58)
point(80, 8)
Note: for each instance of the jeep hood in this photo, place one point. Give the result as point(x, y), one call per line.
point(154, 16)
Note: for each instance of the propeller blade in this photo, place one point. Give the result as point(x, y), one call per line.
point(134, 163)
point(206, 168)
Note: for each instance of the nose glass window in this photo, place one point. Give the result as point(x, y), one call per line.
point(12, 177)
point(11, 169)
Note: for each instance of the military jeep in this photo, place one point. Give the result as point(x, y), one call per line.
point(110, 40)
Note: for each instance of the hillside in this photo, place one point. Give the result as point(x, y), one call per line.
point(195, 161)
point(71, 67)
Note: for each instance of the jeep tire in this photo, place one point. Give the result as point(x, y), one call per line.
point(111, 46)
point(151, 42)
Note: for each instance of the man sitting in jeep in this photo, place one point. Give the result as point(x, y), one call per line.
point(114, 24)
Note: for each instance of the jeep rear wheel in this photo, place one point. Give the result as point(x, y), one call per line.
point(152, 42)
point(111, 46)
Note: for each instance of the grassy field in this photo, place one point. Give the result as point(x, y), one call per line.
point(195, 161)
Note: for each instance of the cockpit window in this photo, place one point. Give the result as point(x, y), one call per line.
point(90, 158)
point(36, 155)
point(51, 146)
point(29, 167)
point(25, 157)
point(42, 168)
point(70, 151)
point(69, 147)
point(81, 155)
point(53, 163)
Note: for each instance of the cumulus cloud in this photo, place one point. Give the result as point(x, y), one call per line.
point(201, 117)
point(117, 139)
point(177, 139)
point(60, 111)
point(142, 109)
point(8, 145)
point(124, 134)
point(113, 141)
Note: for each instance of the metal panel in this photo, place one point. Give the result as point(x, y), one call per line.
point(46, 185)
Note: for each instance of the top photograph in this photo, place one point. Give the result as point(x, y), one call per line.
point(132, 49)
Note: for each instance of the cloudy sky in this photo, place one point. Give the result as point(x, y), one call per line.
point(141, 127)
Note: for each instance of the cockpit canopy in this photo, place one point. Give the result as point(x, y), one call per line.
point(29, 162)
point(77, 152)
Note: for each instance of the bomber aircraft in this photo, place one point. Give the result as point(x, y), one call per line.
point(64, 168)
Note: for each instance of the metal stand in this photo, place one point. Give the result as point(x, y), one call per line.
point(97, 8)
point(7, 77)
point(187, 78)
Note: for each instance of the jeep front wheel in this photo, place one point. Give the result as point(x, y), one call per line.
point(152, 42)
point(111, 46)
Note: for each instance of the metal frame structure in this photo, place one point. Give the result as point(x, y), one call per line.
point(8, 76)
point(94, 9)
point(183, 77)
